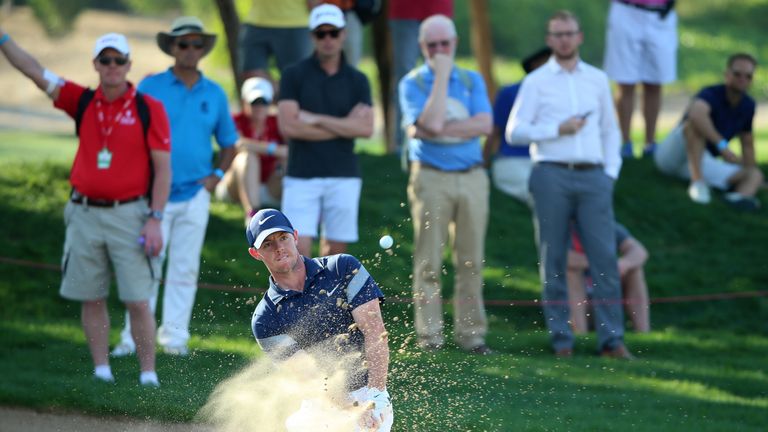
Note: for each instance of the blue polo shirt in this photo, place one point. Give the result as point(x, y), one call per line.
point(464, 85)
point(286, 321)
point(195, 115)
point(729, 121)
point(505, 99)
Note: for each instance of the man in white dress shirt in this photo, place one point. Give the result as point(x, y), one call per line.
point(565, 109)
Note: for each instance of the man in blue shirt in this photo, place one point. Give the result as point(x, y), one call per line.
point(717, 114)
point(327, 306)
point(197, 109)
point(511, 166)
point(446, 110)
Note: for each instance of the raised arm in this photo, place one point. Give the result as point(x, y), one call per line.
point(29, 66)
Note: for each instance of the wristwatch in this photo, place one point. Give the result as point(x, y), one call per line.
point(155, 214)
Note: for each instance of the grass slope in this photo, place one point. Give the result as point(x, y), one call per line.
point(702, 368)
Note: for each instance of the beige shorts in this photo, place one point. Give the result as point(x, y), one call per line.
point(96, 236)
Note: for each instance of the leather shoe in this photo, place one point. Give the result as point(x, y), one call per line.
point(564, 353)
point(620, 352)
point(482, 349)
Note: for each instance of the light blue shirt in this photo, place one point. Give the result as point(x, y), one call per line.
point(195, 114)
point(465, 86)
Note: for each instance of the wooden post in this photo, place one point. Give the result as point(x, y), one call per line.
point(231, 23)
point(482, 44)
point(382, 53)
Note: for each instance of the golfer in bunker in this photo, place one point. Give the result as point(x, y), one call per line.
point(328, 305)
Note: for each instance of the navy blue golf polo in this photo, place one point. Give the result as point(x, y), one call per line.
point(286, 321)
point(729, 121)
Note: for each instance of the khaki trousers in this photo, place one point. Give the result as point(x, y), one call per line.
point(449, 206)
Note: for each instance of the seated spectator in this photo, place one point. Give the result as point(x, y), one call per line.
point(697, 149)
point(511, 165)
point(255, 177)
point(632, 258)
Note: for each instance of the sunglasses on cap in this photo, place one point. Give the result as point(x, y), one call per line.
point(443, 43)
point(107, 60)
point(321, 34)
point(196, 44)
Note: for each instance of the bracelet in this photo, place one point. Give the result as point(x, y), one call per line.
point(722, 145)
point(271, 147)
point(4, 39)
point(218, 172)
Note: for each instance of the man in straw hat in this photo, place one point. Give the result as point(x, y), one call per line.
point(198, 109)
point(119, 160)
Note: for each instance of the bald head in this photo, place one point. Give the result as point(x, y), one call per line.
point(440, 24)
point(437, 36)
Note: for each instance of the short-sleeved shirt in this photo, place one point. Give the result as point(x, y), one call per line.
point(729, 121)
point(271, 133)
point(419, 9)
point(195, 115)
point(314, 90)
point(335, 286)
point(128, 174)
point(278, 13)
point(505, 99)
point(465, 86)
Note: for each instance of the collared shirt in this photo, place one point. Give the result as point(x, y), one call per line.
point(505, 99)
point(320, 317)
point(195, 115)
point(551, 95)
point(128, 174)
point(465, 86)
point(729, 121)
point(307, 83)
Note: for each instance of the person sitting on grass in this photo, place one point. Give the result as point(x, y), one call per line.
point(632, 259)
point(697, 149)
point(255, 177)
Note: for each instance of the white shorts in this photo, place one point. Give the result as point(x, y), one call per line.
point(331, 203)
point(511, 174)
point(640, 46)
point(671, 158)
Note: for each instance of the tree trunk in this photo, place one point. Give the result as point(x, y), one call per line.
point(482, 45)
point(382, 52)
point(231, 23)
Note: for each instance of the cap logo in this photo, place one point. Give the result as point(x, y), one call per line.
point(261, 222)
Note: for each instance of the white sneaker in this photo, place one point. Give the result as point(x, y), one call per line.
point(123, 350)
point(180, 350)
point(699, 192)
point(149, 379)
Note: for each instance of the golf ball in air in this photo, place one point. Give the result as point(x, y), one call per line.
point(386, 242)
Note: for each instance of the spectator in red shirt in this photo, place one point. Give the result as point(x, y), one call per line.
point(109, 219)
point(255, 177)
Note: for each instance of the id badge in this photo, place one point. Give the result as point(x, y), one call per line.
point(104, 159)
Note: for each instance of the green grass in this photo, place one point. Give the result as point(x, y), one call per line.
point(702, 368)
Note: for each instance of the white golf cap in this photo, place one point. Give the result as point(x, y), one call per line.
point(116, 41)
point(326, 14)
point(255, 88)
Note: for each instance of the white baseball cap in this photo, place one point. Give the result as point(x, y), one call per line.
point(255, 88)
point(116, 41)
point(326, 14)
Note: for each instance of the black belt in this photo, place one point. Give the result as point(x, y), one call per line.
point(574, 166)
point(79, 198)
point(434, 168)
point(663, 11)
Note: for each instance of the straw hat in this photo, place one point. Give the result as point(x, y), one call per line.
point(183, 26)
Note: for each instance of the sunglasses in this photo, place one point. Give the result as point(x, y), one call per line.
point(107, 60)
point(568, 34)
point(740, 74)
point(196, 44)
point(321, 34)
point(443, 43)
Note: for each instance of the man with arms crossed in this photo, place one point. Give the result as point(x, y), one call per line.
point(324, 105)
point(565, 109)
point(117, 163)
point(447, 110)
point(312, 301)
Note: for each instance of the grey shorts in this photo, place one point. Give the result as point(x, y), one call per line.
point(96, 236)
point(257, 44)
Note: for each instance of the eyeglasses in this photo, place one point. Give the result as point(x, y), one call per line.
point(321, 34)
point(196, 44)
point(443, 43)
point(107, 60)
point(567, 34)
point(740, 74)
